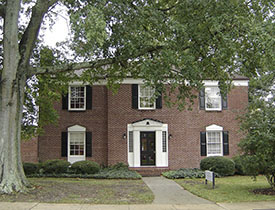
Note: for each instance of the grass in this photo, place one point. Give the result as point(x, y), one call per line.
point(228, 189)
point(92, 191)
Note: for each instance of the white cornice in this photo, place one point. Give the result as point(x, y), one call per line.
point(141, 81)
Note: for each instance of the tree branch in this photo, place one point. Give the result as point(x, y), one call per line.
point(71, 67)
point(31, 33)
point(2, 10)
point(92, 64)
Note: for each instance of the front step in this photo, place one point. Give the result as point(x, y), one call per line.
point(149, 171)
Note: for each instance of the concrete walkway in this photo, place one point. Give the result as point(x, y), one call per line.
point(169, 192)
point(222, 206)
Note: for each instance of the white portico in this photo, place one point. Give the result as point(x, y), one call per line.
point(147, 143)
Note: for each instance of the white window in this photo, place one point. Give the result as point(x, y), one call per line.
point(77, 98)
point(146, 97)
point(213, 98)
point(77, 143)
point(214, 140)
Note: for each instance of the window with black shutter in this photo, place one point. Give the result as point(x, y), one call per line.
point(88, 144)
point(225, 143)
point(89, 97)
point(64, 144)
point(211, 100)
point(203, 143)
point(134, 96)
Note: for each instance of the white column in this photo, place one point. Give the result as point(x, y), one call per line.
point(136, 135)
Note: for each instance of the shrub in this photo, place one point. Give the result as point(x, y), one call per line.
point(239, 167)
point(120, 166)
point(184, 173)
point(113, 173)
point(221, 165)
point(55, 166)
point(85, 167)
point(30, 168)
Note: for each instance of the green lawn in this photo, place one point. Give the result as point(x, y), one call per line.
point(92, 191)
point(228, 189)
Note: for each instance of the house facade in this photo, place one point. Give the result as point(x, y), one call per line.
point(130, 127)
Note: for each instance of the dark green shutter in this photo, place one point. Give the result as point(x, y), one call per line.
point(202, 98)
point(225, 143)
point(65, 101)
point(135, 96)
point(64, 144)
point(224, 102)
point(159, 102)
point(88, 144)
point(89, 97)
point(203, 143)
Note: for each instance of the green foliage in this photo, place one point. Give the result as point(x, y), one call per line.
point(160, 41)
point(221, 165)
point(120, 166)
point(85, 167)
point(239, 165)
point(184, 173)
point(117, 173)
point(258, 124)
point(30, 168)
point(55, 166)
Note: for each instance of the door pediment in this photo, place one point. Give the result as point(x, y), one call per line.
point(147, 122)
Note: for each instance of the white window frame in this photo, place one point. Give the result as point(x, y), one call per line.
point(218, 129)
point(139, 95)
point(69, 98)
point(220, 99)
point(76, 129)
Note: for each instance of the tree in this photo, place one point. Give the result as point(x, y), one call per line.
point(164, 42)
point(258, 146)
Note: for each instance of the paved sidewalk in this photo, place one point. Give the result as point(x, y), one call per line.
point(222, 206)
point(167, 191)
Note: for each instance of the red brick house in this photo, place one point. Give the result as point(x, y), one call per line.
point(128, 127)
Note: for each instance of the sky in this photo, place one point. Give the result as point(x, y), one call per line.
point(59, 31)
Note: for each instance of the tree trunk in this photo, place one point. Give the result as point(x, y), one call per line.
point(12, 178)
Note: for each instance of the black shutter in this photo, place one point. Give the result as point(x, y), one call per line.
point(65, 101)
point(159, 102)
point(225, 143)
point(135, 96)
point(64, 144)
point(203, 143)
point(88, 144)
point(224, 102)
point(89, 97)
point(202, 98)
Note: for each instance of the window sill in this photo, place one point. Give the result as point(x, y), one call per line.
point(76, 110)
point(213, 110)
point(214, 155)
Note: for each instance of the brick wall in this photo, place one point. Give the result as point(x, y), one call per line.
point(111, 113)
point(185, 126)
point(29, 150)
point(94, 120)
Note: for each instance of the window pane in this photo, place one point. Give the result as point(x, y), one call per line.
point(213, 97)
point(146, 99)
point(76, 143)
point(77, 97)
point(164, 146)
point(214, 143)
point(131, 143)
